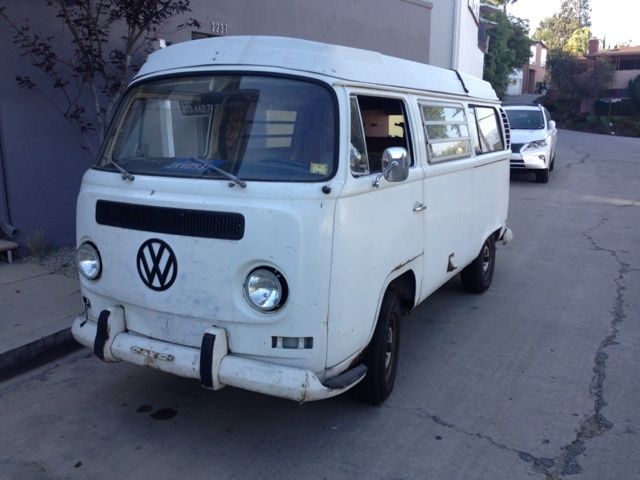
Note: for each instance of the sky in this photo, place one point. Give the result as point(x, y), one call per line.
point(615, 20)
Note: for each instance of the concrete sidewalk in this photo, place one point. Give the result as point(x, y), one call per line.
point(37, 308)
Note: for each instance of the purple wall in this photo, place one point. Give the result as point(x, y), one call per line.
point(43, 158)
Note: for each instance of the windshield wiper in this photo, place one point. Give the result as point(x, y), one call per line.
point(125, 175)
point(224, 173)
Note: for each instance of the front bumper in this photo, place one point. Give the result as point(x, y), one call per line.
point(537, 160)
point(212, 364)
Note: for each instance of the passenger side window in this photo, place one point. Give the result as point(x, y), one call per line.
point(488, 136)
point(446, 131)
point(383, 125)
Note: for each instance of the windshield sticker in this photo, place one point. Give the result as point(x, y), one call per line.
point(319, 169)
point(195, 109)
point(191, 165)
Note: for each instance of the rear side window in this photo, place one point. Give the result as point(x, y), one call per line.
point(377, 123)
point(446, 130)
point(488, 137)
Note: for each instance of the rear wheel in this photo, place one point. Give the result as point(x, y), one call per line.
point(477, 276)
point(381, 356)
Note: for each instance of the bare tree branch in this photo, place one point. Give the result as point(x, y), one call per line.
point(94, 59)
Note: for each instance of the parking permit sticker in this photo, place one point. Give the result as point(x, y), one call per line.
point(190, 165)
point(319, 168)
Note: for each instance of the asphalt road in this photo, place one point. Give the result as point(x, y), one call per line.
point(537, 378)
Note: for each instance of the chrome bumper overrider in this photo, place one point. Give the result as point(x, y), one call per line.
point(212, 364)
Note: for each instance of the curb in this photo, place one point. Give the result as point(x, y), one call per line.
point(36, 353)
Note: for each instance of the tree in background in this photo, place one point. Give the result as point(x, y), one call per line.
point(595, 81)
point(502, 3)
point(109, 41)
point(578, 42)
point(509, 48)
point(556, 31)
point(575, 79)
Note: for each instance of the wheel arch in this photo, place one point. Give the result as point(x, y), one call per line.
point(404, 283)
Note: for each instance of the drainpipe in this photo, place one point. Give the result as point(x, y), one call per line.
point(455, 37)
point(5, 219)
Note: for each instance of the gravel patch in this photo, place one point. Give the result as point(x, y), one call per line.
point(62, 260)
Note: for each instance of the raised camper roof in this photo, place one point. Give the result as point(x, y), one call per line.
point(344, 63)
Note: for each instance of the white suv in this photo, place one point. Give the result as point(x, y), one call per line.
point(533, 139)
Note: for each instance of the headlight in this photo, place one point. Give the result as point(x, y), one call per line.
point(536, 144)
point(265, 289)
point(88, 260)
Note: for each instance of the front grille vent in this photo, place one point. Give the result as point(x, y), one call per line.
point(174, 221)
point(515, 147)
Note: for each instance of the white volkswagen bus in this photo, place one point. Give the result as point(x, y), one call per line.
point(264, 210)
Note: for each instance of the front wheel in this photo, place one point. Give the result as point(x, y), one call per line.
point(542, 176)
point(477, 276)
point(381, 356)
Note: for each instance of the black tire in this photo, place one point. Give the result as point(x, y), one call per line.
point(542, 176)
point(381, 356)
point(553, 163)
point(476, 277)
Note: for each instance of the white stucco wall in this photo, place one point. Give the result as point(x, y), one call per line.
point(454, 37)
point(622, 77)
point(441, 33)
point(515, 83)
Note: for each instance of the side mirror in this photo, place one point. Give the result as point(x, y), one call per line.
point(395, 165)
point(552, 125)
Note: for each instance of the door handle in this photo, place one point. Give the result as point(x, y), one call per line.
point(419, 207)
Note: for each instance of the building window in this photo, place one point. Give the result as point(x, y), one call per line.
point(628, 64)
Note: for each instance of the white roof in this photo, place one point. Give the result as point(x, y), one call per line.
point(345, 63)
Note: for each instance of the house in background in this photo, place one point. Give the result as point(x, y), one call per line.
point(626, 61)
point(627, 66)
point(531, 77)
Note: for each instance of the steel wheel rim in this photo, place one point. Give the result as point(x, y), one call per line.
point(390, 351)
point(486, 259)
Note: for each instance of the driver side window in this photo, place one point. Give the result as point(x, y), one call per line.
point(377, 123)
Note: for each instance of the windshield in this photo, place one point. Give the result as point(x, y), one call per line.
point(525, 119)
point(253, 127)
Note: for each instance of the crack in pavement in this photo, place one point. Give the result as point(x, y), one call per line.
point(541, 464)
point(595, 424)
point(580, 161)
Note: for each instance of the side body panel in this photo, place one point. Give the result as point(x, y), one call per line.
point(377, 236)
point(467, 200)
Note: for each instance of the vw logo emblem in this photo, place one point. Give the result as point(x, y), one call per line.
point(157, 264)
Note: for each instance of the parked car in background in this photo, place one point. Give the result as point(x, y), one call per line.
point(533, 140)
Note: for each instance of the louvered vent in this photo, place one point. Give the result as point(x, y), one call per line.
point(507, 127)
point(175, 221)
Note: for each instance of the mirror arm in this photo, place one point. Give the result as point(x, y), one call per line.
point(392, 165)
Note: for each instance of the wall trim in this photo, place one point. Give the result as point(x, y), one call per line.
point(422, 3)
